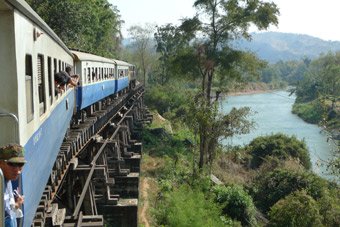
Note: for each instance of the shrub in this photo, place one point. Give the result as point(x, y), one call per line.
point(279, 183)
point(280, 146)
point(186, 207)
point(297, 209)
point(311, 112)
point(329, 205)
point(236, 203)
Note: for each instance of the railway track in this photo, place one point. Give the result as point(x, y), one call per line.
point(95, 178)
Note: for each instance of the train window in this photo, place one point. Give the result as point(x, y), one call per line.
point(55, 62)
point(55, 66)
point(93, 74)
point(59, 66)
point(41, 84)
point(83, 76)
point(29, 88)
point(50, 80)
point(89, 74)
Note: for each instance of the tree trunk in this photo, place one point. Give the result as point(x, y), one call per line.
point(202, 142)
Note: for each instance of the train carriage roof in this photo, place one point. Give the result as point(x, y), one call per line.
point(82, 56)
point(27, 11)
point(122, 63)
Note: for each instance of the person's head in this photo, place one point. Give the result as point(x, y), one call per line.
point(68, 69)
point(12, 160)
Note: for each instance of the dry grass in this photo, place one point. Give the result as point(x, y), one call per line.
point(231, 172)
point(160, 122)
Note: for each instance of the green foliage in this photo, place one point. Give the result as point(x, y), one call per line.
point(236, 203)
point(329, 205)
point(174, 53)
point(280, 146)
point(88, 25)
point(311, 112)
point(187, 207)
point(289, 71)
point(160, 143)
point(297, 209)
point(322, 79)
point(275, 185)
point(319, 91)
point(169, 98)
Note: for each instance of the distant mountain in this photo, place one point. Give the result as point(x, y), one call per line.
point(276, 46)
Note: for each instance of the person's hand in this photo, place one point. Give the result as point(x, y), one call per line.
point(19, 199)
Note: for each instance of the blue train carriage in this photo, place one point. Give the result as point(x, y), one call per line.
point(123, 75)
point(32, 114)
point(132, 76)
point(97, 78)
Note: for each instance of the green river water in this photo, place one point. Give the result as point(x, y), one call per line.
point(272, 114)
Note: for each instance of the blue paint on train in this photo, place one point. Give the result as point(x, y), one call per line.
point(122, 83)
point(92, 93)
point(41, 152)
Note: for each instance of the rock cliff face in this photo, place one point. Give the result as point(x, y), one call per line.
point(276, 46)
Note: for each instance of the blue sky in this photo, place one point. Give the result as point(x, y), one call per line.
point(319, 18)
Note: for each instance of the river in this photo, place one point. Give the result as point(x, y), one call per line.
point(272, 114)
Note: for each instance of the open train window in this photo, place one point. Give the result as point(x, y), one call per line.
point(50, 79)
point(41, 84)
point(29, 88)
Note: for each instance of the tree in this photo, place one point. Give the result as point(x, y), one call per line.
point(330, 74)
point(297, 209)
point(143, 47)
point(217, 23)
point(92, 26)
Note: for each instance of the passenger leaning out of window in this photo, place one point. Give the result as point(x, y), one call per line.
point(64, 78)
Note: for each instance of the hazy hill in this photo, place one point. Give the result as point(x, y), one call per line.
point(275, 46)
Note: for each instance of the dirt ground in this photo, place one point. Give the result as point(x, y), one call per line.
point(143, 216)
point(148, 190)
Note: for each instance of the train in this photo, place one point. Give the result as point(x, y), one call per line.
point(32, 112)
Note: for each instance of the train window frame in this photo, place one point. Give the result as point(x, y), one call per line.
point(41, 83)
point(29, 87)
point(50, 79)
